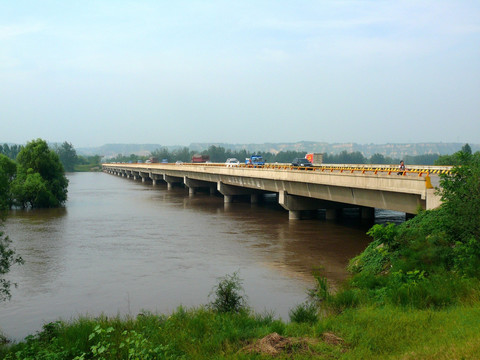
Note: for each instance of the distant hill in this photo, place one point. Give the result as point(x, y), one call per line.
point(392, 150)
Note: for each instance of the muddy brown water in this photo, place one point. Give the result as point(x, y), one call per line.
point(123, 247)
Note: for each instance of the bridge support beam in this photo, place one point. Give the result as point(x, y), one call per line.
point(193, 185)
point(229, 191)
point(145, 176)
point(296, 205)
point(155, 178)
point(170, 180)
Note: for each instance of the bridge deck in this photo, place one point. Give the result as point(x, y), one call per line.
point(364, 186)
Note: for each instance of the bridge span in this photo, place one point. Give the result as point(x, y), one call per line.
point(298, 190)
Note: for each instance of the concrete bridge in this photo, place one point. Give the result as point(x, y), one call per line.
point(299, 190)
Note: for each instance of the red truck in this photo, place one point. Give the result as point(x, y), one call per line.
point(197, 158)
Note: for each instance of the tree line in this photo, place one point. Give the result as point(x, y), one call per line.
point(220, 154)
point(73, 162)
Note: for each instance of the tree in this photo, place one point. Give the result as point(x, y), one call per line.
point(377, 159)
point(8, 258)
point(216, 153)
point(10, 151)
point(467, 149)
point(40, 180)
point(68, 155)
point(344, 157)
point(8, 170)
point(460, 193)
point(456, 158)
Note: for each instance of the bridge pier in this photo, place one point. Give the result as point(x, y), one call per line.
point(229, 191)
point(170, 180)
point(145, 176)
point(367, 213)
point(297, 205)
point(155, 178)
point(193, 185)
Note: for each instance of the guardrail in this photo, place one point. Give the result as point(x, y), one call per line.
point(343, 168)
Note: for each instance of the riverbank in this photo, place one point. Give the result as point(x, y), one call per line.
point(363, 333)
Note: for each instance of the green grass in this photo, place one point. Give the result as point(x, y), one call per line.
point(87, 168)
point(396, 333)
point(369, 333)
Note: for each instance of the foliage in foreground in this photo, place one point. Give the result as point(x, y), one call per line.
point(387, 332)
point(432, 260)
point(8, 258)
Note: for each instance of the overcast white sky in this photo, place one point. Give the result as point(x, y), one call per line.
point(177, 72)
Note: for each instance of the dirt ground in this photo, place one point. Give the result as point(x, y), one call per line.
point(274, 344)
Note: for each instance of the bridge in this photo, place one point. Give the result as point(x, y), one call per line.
point(329, 187)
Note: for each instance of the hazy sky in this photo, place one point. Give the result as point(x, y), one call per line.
point(177, 72)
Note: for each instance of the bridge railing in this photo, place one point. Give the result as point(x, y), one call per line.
point(342, 168)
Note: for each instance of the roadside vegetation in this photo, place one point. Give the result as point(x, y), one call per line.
point(414, 293)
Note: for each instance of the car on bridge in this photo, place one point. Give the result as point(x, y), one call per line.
point(301, 162)
point(232, 162)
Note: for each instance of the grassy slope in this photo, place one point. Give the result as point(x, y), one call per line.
point(369, 333)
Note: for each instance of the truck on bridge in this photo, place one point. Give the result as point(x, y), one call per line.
point(197, 158)
point(315, 158)
point(256, 160)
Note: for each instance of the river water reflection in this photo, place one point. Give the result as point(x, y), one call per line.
point(120, 247)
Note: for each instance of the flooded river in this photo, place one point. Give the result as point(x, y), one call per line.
point(121, 247)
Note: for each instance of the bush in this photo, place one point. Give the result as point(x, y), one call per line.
point(229, 295)
point(304, 313)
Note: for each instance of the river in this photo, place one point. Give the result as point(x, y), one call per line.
point(123, 247)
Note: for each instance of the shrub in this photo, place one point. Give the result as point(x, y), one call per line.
point(229, 295)
point(304, 313)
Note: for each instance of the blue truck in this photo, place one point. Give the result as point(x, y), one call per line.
point(256, 160)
